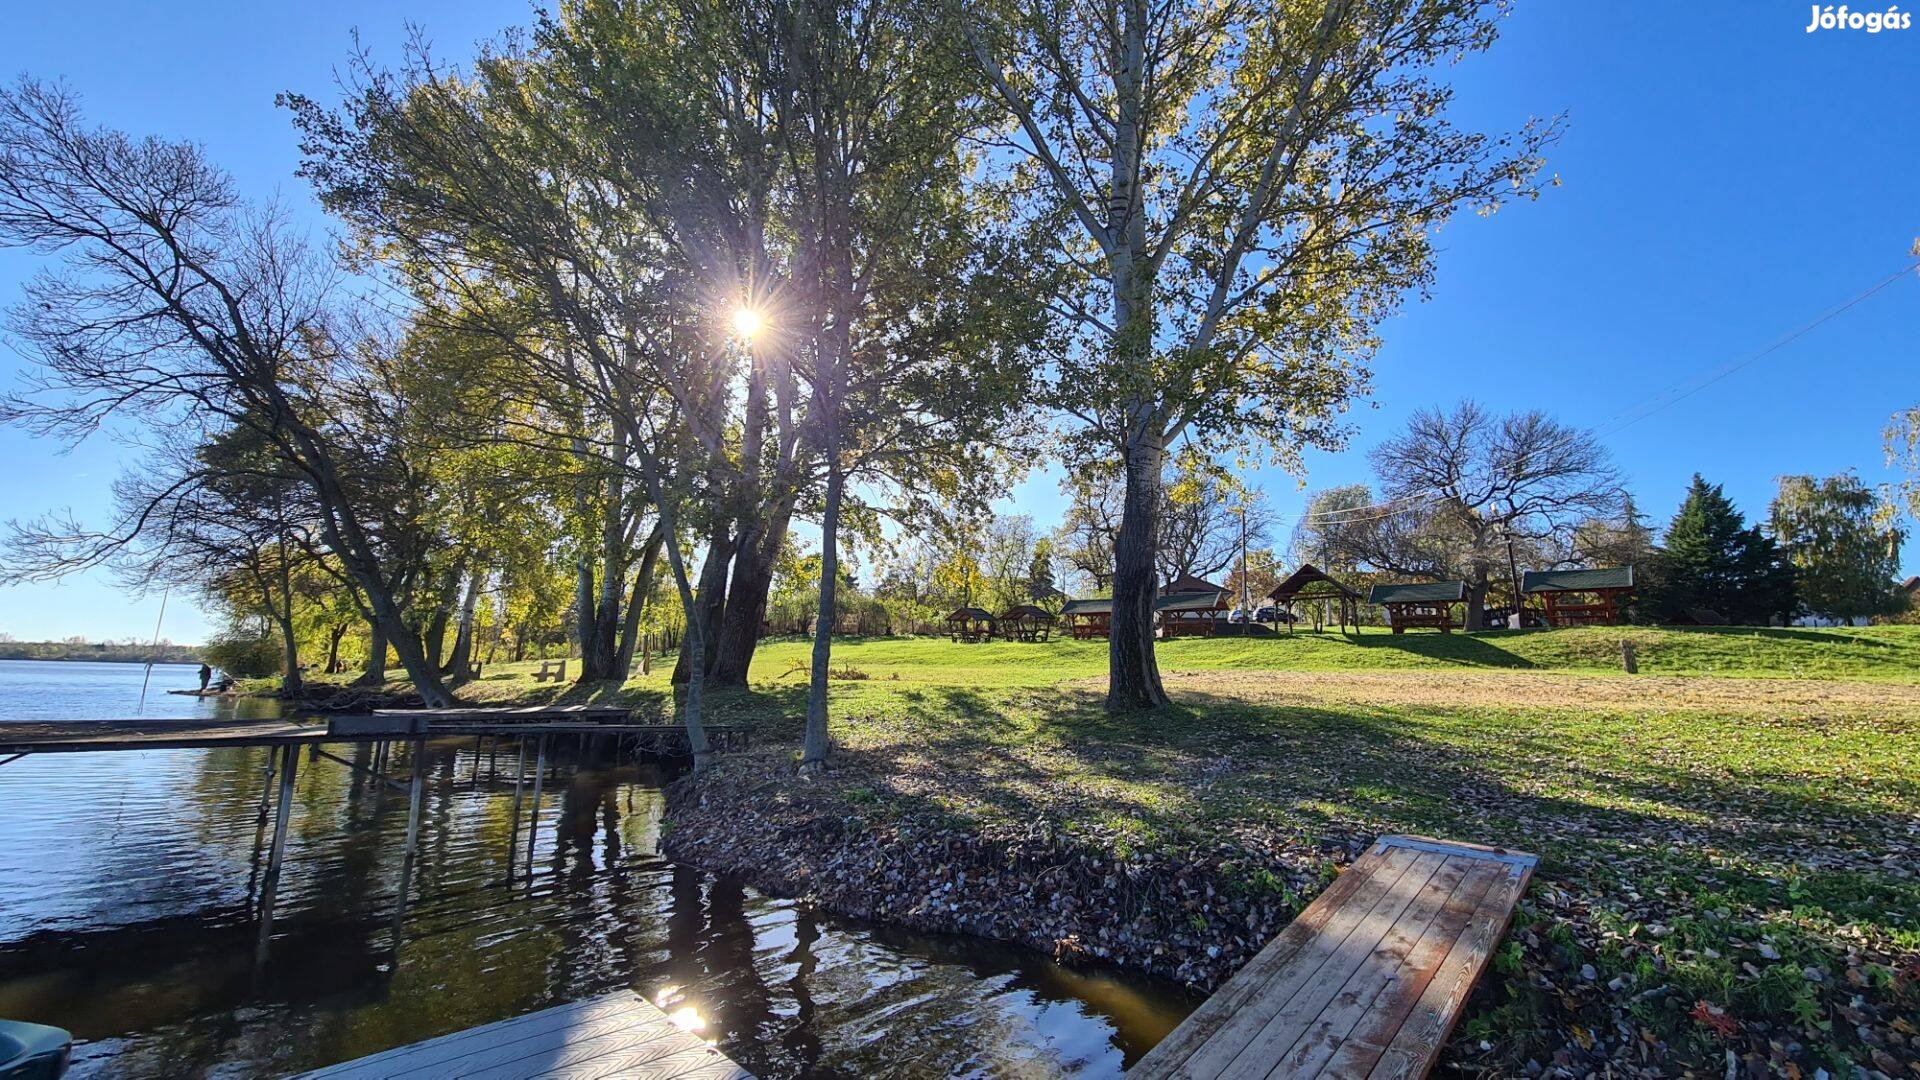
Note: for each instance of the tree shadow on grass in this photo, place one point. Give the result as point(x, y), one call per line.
point(967, 755)
point(1466, 650)
point(1215, 763)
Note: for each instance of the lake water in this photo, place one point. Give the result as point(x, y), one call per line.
point(129, 881)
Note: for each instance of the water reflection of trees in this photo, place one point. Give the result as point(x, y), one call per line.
point(783, 990)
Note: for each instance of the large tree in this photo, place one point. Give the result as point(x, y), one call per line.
point(1845, 549)
point(1241, 190)
point(496, 204)
point(915, 319)
point(1458, 487)
point(176, 304)
point(1712, 564)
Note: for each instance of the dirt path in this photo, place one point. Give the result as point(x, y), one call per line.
point(1511, 690)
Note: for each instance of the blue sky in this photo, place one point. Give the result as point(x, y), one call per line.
point(1726, 178)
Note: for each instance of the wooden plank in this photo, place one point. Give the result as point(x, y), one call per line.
point(574, 1044)
point(1368, 980)
point(1302, 1030)
point(1345, 1039)
point(89, 736)
point(1239, 1050)
point(1332, 914)
point(508, 712)
point(620, 1034)
point(1425, 1030)
point(77, 736)
point(456, 1044)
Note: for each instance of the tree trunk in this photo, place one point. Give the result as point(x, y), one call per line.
point(696, 644)
point(710, 603)
point(435, 640)
point(333, 647)
point(1133, 671)
point(1477, 603)
point(424, 675)
point(460, 664)
point(746, 608)
point(340, 528)
point(375, 671)
point(292, 687)
point(637, 604)
point(817, 744)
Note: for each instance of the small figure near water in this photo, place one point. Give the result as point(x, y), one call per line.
point(206, 675)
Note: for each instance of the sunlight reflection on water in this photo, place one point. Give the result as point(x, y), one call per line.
point(127, 884)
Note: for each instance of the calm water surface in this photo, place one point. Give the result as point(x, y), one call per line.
point(128, 884)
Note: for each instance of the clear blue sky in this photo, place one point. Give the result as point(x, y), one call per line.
point(1726, 179)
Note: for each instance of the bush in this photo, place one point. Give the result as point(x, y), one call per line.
point(244, 653)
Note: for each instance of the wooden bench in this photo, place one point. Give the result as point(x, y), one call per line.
point(620, 1034)
point(1401, 617)
point(1368, 980)
point(551, 669)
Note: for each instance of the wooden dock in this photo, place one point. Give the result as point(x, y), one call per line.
point(619, 1035)
point(88, 736)
point(1368, 980)
point(76, 736)
point(539, 736)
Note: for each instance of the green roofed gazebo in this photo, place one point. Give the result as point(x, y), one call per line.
point(1428, 604)
point(1190, 614)
point(970, 624)
point(1580, 597)
point(1090, 618)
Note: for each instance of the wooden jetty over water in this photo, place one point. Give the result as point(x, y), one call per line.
point(406, 731)
point(1368, 980)
point(620, 1035)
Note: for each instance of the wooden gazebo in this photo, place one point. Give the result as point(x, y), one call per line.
point(1429, 604)
point(1580, 597)
point(1026, 622)
point(970, 624)
point(1310, 584)
point(1090, 618)
point(1190, 613)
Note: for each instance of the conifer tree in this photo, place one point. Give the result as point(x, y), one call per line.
point(1714, 562)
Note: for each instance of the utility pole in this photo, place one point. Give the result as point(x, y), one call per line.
point(1513, 571)
point(1246, 610)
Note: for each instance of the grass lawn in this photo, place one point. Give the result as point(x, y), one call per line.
point(1891, 652)
point(1730, 841)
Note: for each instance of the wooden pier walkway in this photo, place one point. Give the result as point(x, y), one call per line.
point(1368, 980)
point(619, 1035)
point(87, 736)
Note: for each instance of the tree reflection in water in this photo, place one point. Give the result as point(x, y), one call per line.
point(143, 943)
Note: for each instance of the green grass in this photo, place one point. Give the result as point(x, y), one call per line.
point(1707, 835)
point(1690, 854)
point(1881, 652)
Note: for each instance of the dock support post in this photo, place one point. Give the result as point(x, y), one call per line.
point(260, 822)
point(513, 829)
point(474, 782)
point(266, 802)
point(289, 762)
point(539, 780)
point(415, 784)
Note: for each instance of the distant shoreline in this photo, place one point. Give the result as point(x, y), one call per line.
point(90, 654)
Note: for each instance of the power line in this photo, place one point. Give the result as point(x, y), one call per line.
point(1622, 420)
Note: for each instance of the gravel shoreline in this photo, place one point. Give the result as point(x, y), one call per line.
point(1194, 915)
